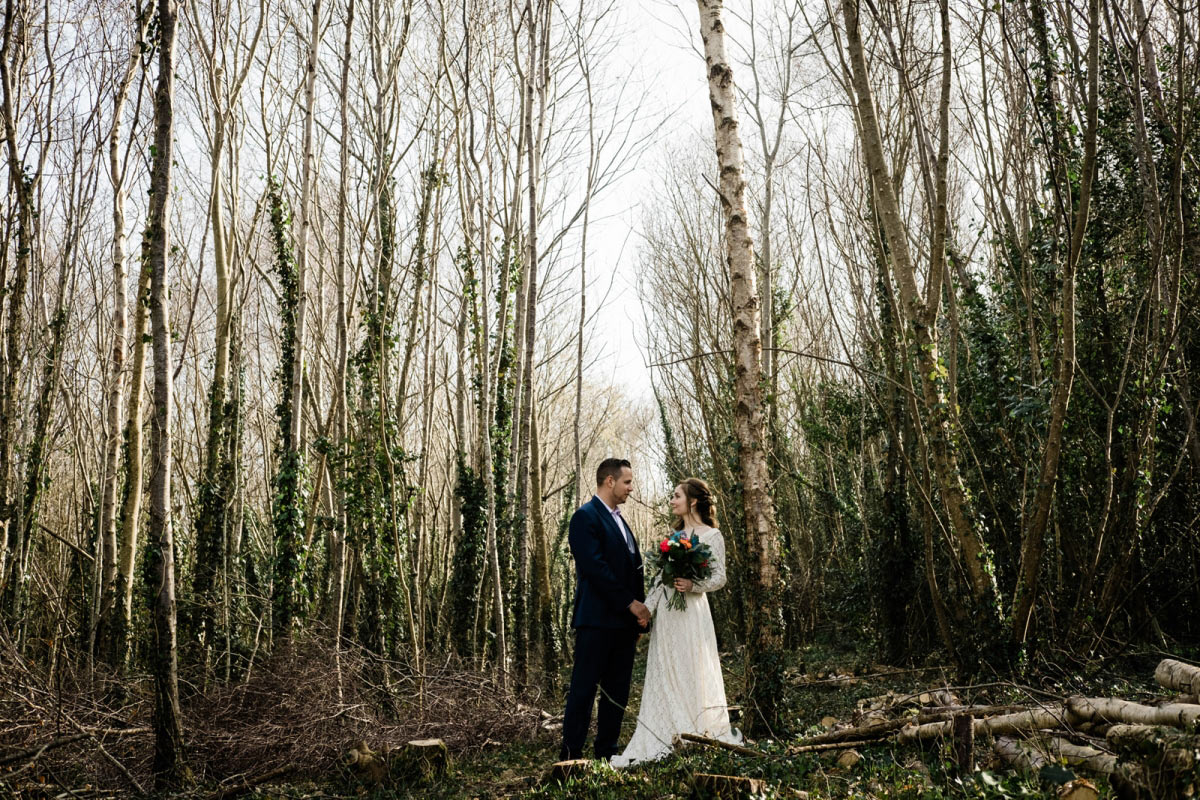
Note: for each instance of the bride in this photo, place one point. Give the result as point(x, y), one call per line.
point(684, 691)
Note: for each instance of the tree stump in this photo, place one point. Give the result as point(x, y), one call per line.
point(562, 771)
point(964, 743)
point(421, 760)
point(365, 765)
point(1078, 789)
point(725, 787)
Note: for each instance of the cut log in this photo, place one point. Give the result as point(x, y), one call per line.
point(1172, 674)
point(1092, 759)
point(725, 787)
point(1018, 755)
point(827, 746)
point(1078, 789)
point(562, 771)
point(883, 729)
point(1140, 739)
point(849, 759)
point(1032, 719)
point(1032, 755)
point(1106, 709)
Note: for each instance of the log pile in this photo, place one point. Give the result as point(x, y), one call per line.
point(1144, 750)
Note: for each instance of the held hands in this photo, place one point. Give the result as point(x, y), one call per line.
point(639, 610)
point(683, 585)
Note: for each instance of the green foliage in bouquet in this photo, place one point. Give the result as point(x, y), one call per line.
point(679, 556)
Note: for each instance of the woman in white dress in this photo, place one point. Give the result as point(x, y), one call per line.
point(684, 690)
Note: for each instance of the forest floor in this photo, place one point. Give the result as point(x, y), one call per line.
point(501, 749)
point(825, 682)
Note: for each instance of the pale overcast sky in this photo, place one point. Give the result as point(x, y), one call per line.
point(663, 57)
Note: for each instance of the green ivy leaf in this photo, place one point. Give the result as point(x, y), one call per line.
point(1055, 775)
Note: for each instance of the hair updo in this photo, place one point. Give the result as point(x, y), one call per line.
point(697, 492)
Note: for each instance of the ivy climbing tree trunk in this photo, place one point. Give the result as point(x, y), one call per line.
point(920, 314)
point(287, 511)
point(170, 767)
point(1033, 541)
point(764, 664)
point(24, 183)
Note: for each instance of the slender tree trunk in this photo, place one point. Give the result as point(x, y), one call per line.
point(11, 577)
point(1034, 537)
point(213, 497)
point(528, 336)
point(544, 599)
point(43, 408)
point(920, 315)
point(341, 419)
point(170, 767)
point(116, 386)
point(131, 503)
point(577, 427)
point(304, 219)
point(764, 657)
point(482, 329)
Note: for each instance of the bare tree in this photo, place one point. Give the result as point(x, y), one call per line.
point(764, 664)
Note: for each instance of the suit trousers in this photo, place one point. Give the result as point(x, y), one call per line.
point(604, 661)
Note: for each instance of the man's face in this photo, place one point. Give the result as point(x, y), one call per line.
point(623, 485)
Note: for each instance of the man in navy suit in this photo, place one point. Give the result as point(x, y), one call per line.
point(610, 612)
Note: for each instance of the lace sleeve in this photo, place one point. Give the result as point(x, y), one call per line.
point(717, 579)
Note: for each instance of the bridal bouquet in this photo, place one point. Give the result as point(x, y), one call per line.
point(680, 556)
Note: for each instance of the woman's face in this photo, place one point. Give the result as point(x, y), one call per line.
point(680, 503)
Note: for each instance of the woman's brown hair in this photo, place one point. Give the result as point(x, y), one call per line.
point(705, 507)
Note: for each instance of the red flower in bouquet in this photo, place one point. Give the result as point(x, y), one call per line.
point(680, 556)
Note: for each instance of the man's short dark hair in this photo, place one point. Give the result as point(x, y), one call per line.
point(610, 467)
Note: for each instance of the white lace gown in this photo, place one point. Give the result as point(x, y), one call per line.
point(684, 690)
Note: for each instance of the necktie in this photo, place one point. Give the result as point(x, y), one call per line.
point(624, 530)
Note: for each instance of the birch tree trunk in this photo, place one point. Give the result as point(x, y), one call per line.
point(764, 668)
point(116, 386)
point(305, 221)
point(170, 767)
point(131, 503)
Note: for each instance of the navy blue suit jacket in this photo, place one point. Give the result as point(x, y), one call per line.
point(608, 577)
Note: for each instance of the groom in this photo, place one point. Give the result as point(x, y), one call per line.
point(610, 612)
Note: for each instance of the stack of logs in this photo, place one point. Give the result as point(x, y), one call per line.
point(1146, 751)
